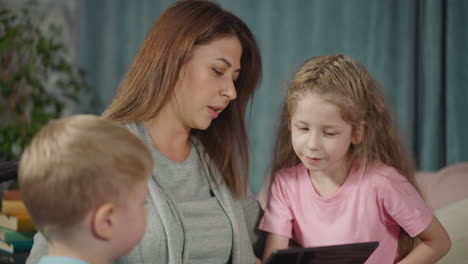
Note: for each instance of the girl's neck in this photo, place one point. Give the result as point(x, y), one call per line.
point(169, 136)
point(328, 182)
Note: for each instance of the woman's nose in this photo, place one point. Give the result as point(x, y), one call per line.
point(229, 91)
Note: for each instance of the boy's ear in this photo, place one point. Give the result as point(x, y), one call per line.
point(103, 222)
point(358, 133)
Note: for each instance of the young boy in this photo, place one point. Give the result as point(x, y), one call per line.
point(84, 182)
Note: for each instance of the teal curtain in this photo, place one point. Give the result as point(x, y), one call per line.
point(111, 32)
point(416, 49)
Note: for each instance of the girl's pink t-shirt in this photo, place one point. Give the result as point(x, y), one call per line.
point(370, 206)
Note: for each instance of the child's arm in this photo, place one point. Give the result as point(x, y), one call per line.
point(435, 243)
point(274, 242)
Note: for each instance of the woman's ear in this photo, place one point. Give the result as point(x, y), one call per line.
point(103, 221)
point(358, 133)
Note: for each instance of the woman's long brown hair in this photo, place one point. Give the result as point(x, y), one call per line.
point(349, 86)
point(152, 76)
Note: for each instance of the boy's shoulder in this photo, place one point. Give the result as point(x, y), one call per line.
point(60, 259)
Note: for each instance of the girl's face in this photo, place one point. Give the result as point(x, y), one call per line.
point(320, 137)
point(206, 83)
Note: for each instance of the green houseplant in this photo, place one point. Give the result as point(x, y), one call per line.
point(32, 62)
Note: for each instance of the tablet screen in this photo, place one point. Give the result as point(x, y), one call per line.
point(356, 253)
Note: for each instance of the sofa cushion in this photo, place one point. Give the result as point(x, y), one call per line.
point(445, 186)
point(454, 217)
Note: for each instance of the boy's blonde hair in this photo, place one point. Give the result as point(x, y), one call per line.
point(348, 85)
point(76, 164)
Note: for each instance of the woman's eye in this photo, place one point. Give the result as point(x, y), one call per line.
point(218, 73)
point(304, 128)
point(330, 134)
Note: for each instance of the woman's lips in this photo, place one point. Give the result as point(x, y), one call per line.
point(213, 112)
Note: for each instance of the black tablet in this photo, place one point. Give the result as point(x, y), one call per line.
point(356, 253)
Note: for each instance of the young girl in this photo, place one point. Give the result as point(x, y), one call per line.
point(340, 174)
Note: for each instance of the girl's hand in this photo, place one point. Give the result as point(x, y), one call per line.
point(435, 243)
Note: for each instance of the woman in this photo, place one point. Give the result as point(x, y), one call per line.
point(185, 96)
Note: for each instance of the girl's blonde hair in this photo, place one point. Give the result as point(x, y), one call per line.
point(150, 81)
point(349, 86)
